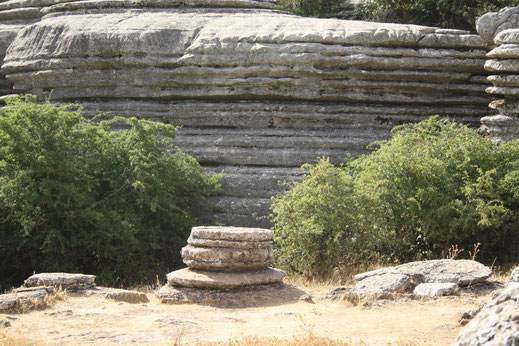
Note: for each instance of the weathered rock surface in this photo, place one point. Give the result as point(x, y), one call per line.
point(249, 296)
point(63, 280)
point(504, 62)
point(226, 259)
point(388, 280)
point(491, 24)
point(380, 285)
point(127, 296)
point(460, 272)
point(514, 276)
point(496, 324)
point(229, 244)
point(209, 279)
point(23, 299)
point(257, 92)
point(232, 233)
point(432, 290)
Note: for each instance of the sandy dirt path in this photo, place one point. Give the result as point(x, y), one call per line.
point(96, 320)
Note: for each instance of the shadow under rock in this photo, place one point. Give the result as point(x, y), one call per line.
point(244, 297)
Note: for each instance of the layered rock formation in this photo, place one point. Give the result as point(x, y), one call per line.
point(256, 91)
point(503, 63)
point(221, 258)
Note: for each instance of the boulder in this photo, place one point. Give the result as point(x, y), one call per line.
point(63, 280)
point(226, 259)
point(447, 273)
point(222, 280)
point(496, 324)
point(432, 290)
point(378, 286)
point(460, 272)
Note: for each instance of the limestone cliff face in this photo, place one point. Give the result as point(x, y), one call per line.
point(257, 91)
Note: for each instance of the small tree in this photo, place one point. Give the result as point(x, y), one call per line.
point(76, 196)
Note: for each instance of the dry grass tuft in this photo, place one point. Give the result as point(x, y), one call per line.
point(16, 338)
point(303, 340)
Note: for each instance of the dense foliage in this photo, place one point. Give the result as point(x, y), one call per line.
point(432, 185)
point(461, 14)
point(76, 196)
point(310, 8)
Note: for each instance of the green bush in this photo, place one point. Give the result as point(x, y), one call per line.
point(433, 185)
point(310, 8)
point(78, 197)
point(461, 14)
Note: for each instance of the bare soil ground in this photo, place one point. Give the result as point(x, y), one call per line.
point(99, 321)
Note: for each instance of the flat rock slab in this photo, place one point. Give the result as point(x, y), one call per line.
point(232, 233)
point(496, 324)
point(378, 286)
point(460, 272)
point(221, 280)
point(229, 244)
point(432, 290)
point(127, 296)
point(63, 280)
point(250, 296)
point(23, 298)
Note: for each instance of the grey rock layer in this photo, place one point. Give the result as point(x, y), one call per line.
point(229, 244)
point(496, 324)
point(232, 233)
point(226, 254)
point(63, 280)
point(207, 279)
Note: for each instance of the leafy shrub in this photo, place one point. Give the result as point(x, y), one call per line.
point(78, 197)
point(310, 8)
point(461, 14)
point(434, 184)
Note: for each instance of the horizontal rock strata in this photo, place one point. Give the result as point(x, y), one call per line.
point(257, 92)
point(504, 63)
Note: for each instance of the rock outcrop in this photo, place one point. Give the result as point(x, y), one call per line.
point(426, 277)
point(504, 63)
point(38, 286)
point(496, 324)
point(500, 30)
point(233, 258)
point(257, 92)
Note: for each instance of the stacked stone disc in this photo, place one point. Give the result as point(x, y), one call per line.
point(504, 62)
point(225, 258)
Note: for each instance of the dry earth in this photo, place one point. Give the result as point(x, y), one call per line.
point(96, 320)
